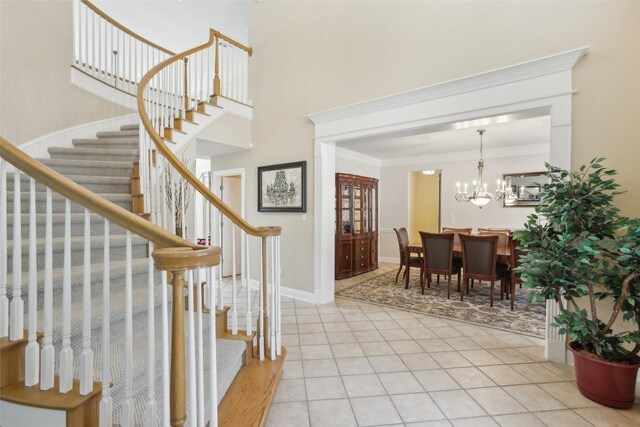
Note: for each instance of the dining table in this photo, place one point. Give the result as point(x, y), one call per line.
point(504, 252)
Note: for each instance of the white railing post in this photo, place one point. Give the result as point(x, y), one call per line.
point(4, 255)
point(192, 412)
point(247, 284)
point(127, 404)
point(234, 301)
point(278, 298)
point(86, 357)
point(213, 383)
point(32, 352)
point(66, 353)
point(263, 277)
point(16, 308)
point(106, 402)
point(272, 299)
point(200, 351)
point(150, 408)
point(47, 353)
point(166, 414)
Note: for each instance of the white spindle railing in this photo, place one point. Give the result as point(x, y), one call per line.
point(127, 405)
point(47, 358)
point(32, 355)
point(66, 353)
point(16, 328)
point(106, 401)
point(86, 356)
point(4, 256)
point(151, 406)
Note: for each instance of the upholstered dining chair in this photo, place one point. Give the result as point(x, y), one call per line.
point(437, 249)
point(456, 241)
point(502, 233)
point(480, 261)
point(403, 241)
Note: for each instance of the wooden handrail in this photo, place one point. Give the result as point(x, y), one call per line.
point(123, 28)
point(233, 42)
point(89, 200)
point(176, 163)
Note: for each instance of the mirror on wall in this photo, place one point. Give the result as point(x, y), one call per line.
point(526, 188)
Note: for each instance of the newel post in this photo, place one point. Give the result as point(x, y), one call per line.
point(177, 261)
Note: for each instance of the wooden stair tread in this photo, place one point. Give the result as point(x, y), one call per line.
point(248, 400)
point(175, 130)
point(18, 393)
point(199, 112)
point(6, 344)
point(240, 336)
point(187, 121)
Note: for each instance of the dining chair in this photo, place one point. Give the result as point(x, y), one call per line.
point(480, 261)
point(456, 241)
point(502, 233)
point(514, 278)
point(437, 249)
point(403, 242)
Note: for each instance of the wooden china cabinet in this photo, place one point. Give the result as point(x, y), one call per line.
point(356, 225)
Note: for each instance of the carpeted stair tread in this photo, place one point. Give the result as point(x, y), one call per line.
point(118, 134)
point(58, 201)
point(107, 144)
point(130, 127)
point(116, 243)
point(57, 221)
point(93, 183)
point(93, 154)
point(90, 167)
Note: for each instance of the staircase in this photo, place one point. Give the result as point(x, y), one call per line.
point(104, 165)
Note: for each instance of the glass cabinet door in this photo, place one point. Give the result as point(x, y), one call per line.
point(357, 209)
point(365, 210)
point(345, 214)
point(374, 210)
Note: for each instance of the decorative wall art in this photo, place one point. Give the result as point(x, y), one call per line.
point(282, 188)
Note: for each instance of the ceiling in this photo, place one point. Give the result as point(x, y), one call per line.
point(502, 132)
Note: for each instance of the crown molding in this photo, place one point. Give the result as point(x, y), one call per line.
point(513, 73)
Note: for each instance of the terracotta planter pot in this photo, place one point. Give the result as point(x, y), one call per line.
point(611, 384)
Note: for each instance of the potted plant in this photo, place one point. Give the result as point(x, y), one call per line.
point(578, 250)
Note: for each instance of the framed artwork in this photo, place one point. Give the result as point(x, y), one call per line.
point(283, 187)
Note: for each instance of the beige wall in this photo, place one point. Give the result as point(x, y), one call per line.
point(35, 55)
point(311, 56)
point(424, 204)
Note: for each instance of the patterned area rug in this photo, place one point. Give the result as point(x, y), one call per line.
point(527, 317)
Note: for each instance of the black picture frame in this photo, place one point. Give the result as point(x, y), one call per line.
point(282, 187)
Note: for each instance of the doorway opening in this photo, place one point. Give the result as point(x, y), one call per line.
point(424, 203)
point(229, 186)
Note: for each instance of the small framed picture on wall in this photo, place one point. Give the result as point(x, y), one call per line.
point(283, 187)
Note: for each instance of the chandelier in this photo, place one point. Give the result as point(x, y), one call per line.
point(479, 195)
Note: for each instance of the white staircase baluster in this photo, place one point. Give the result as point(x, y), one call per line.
point(200, 350)
point(192, 410)
point(219, 266)
point(213, 383)
point(4, 255)
point(130, 53)
point(93, 44)
point(16, 308)
point(272, 299)
point(47, 354)
point(208, 76)
point(150, 410)
point(86, 357)
point(85, 20)
point(32, 352)
point(261, 297)
point(106, 402)
point(247, 284)
point(279, 298)
point(127, 404)
point(66, 353)
point(165, 350)
point(234, 290)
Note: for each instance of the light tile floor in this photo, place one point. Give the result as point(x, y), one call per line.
point(355, 364)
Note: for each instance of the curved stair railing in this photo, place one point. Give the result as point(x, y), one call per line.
point(173, 255)
point(156, 116)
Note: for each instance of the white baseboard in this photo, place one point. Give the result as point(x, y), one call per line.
point(289, 292)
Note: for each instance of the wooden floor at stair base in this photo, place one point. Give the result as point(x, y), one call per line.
point(249, 398)
point(81, 410)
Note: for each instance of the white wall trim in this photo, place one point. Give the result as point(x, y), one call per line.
point(63, 138)
point(544, 83)
point(288, 292)
point(497, 77)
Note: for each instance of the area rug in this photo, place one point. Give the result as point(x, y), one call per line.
point(527, 317)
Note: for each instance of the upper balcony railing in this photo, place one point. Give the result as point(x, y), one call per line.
point(119, 57)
